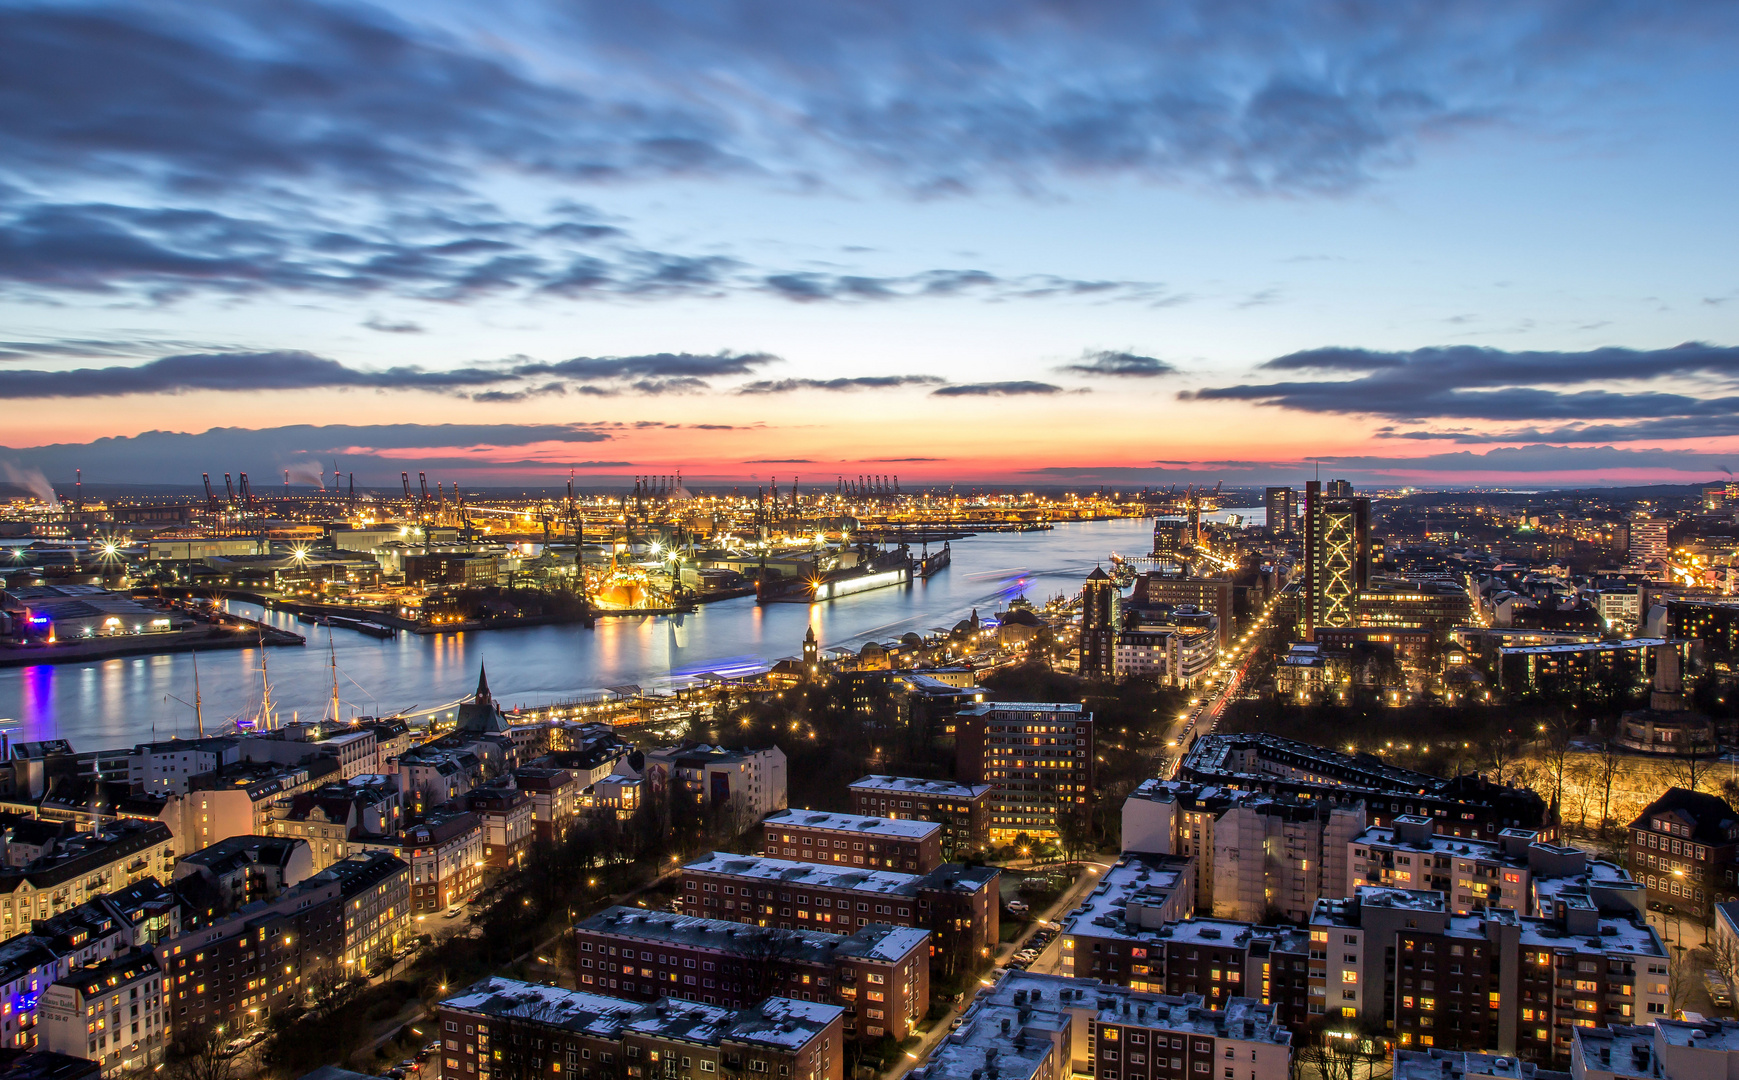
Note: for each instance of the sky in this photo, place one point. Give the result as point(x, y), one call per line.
point(1023, 242)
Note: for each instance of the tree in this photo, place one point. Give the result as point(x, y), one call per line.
point(1607, 763)
point(1723, 952)
point(1555, 736)
point(1690, 769)
point(1073, 835)
point(1681, 983)
point(1502, 751)
point(200, 1053)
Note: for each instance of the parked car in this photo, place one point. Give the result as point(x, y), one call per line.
point(1018, 907)
point(1719, 992)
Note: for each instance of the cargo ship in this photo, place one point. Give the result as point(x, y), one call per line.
point(872, 572)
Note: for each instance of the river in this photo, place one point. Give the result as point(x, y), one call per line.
point(116, 703)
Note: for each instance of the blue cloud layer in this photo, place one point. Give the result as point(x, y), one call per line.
point(244, 147)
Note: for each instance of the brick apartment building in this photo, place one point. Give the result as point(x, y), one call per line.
point(504, 1027)
point(506, 815)
point(963, 810)
point(1682, 849)
point(877, 843)
point(555, 797)
point(1500, 981)
point(1133, 930)
point(958, 904)
point(1047, 1027)
point(446, 856)
point(241, 970)
point(879, 974)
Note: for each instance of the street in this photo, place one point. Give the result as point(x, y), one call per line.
point(1046, 963)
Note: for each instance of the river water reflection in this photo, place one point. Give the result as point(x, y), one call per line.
point(118, 702)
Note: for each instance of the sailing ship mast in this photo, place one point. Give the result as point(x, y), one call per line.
point(198, 702)
point(332, 653)
point(265, 721)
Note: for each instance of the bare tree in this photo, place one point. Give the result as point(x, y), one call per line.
point(1681, 983)
point(1502, 751)
point(1607, 764)
point(1723, 951)
point(201, 1053)
point(1691, 769)
point(1555, 736)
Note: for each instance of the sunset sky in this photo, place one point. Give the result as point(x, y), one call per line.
point(1020, 241)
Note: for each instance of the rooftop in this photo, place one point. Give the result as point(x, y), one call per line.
point(1135, 878)
point(900, 828)
point(1435, 1064)
point(778, 1022)
point(876, 941)
point(929, 788)
point(818, 875)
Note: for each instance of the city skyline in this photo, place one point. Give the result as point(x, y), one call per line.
point(1432, 245)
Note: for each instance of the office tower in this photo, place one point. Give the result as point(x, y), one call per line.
point(1282, 506)
point(1337, 556)
point(1037, 758)
point(1339, 489)
point(1169, 541)
point(1099, 625)
point(1648, 541)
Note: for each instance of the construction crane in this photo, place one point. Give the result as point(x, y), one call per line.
point(423, 507)
point(210, 496)
point(406, 477)
point(247, 492)
point(229, 491)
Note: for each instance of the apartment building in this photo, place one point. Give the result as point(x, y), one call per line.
point(1128, 933)
point(506, 814)
point(331, 816)
point(81, 867)
point(242, 969)
point(958, 904)
point(1496, 981)
point(1463, 806)
point(1436, 1064)
point(1682, 848)
point(114, 1012)
point(432, 777)
point(91, 933)
point(531, 1030)
point(168, 768)
point(1253, 852)
point(1048, 1027)
point(239, 800)
point(963, 810)
point(751, 782)
point(243, 869)
point(375, 890)
point(555, 799)
point(903, 844)
point(879, 974)
point(445, 852)
point(1516, 873)
point(1038, 759)
point(1663, 1050)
